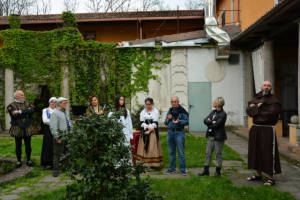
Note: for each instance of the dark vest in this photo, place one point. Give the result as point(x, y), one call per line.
point(22, 121)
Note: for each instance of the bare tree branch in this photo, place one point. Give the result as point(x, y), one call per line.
point(20, 7)
point(71, 5)
point(95, 5)
point(24, 6)
point(194, 4)
point(146, 5)
point(117, 5)
point(162, 5)
point(46, 6)
point(42, 7)
point(149, 4)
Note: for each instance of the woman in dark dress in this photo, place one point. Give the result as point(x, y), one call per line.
point(149, 148)
point(47, 148)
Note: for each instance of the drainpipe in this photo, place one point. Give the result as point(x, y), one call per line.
point(215, 33)
point(238, 11)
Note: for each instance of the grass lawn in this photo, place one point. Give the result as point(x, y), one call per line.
point(192, 188)
point(194, 150)
point(53, 195)
point(213, 188)
point(7, 147)
point(197, 188)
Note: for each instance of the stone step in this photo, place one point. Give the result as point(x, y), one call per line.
point(9, 197)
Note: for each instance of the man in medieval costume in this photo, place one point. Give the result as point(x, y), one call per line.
point(21, 128)
point(263, 155)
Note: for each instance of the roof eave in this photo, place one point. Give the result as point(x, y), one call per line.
point(267, 16)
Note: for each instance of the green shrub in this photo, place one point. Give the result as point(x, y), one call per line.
point(100, 162)
point(14, 21)
point(7, 167)
point(69, 19)
point(135, 117)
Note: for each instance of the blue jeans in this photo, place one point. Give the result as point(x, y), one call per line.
point(176, 139)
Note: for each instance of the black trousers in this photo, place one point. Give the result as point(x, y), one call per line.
point(27, 141)
point(58, 150)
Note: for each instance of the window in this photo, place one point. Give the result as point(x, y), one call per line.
point(223, 18)
point(89, 35)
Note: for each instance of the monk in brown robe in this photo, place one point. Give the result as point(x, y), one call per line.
point(263, 155)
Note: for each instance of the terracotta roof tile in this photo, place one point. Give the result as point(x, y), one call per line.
point(232, 30)
point(114, 16)
point(172, 38)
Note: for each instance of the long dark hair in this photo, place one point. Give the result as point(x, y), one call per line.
point(118, 107)
point(150, 100)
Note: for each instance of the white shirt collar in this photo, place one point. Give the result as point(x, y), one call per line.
point(19, 101)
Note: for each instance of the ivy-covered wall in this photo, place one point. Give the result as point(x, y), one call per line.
point(2, 91)
point(37, 58)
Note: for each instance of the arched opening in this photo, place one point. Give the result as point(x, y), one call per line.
point(40, 103)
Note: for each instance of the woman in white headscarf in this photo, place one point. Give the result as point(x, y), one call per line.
point(47, 148)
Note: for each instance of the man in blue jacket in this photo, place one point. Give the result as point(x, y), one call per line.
point(177, 118)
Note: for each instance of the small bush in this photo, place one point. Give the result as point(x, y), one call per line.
point(98, 160)
point(6, 167)
point(69, 19)
point(135, 116)
point(14, 21)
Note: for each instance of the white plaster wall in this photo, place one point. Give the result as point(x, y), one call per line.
point(158, 90)
point(198, 58)
point(173, 81)
point(230, 87)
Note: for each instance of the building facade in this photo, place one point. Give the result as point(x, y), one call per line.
point(117, 27)
point(271, 45)
point(242, 12)
point(197, 77)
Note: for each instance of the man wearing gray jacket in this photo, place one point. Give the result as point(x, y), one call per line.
point(59, 122)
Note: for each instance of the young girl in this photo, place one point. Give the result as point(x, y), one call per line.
point(125, 118)
point(216, 135)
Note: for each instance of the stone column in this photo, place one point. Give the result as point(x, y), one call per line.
point(65, 92)
point(269, 71)
point(179, 79)
point(263, 65)
point(248, 84)
point(298, 127)
point(65, 85)
point(9, 92)
point(299, 71)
